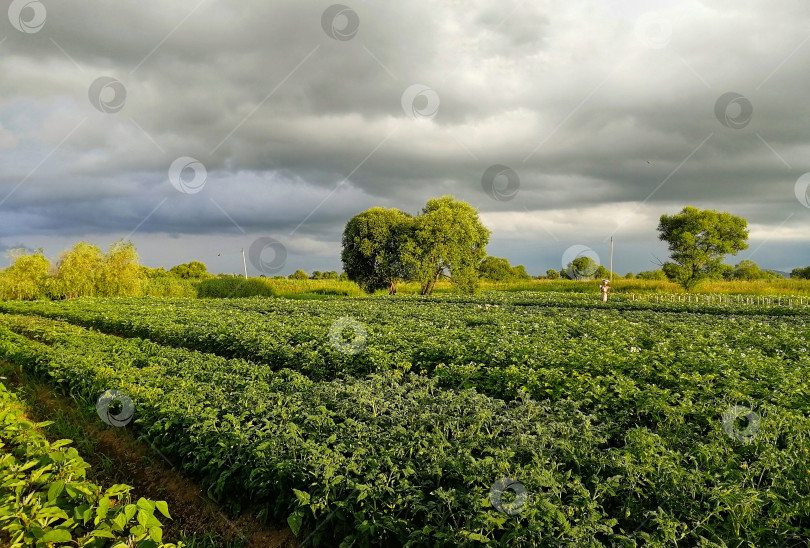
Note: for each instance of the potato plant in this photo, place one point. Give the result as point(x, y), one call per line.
point(612, 417)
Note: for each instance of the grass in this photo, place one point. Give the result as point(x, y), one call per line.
point(620, 285)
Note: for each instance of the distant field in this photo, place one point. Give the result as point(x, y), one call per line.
point(394, 420)
point(268, 287)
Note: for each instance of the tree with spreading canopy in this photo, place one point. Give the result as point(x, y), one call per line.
point(383, 246)
point(120, 274)
point(801, 273)
point(194, 269)
point(448, 240)
point(27, 277)
point(373, 242)
point(499, 270)
point(78, 270)
point(698, 240)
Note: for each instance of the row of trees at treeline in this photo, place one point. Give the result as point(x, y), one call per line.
point(447, 240)
point(382, 247)
point(81, 271)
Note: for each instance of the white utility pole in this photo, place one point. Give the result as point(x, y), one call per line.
point(244, 261)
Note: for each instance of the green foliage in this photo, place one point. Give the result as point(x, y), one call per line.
point(499, 270)
point(78, 271)
point(373, 243)
point(45, 498)
point(328, 275)
point(749, 270)
point(581, 268)
point(801, 273)
point(610, 415)
point(299, 275)
point(448, 240)
point(652, 275)
point(27, 277)
point(193, 270)
point(698, 240)
point(383, 246)
point(119, 275)
point(552, 274)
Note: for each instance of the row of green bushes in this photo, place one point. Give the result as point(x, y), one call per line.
point(46, 500)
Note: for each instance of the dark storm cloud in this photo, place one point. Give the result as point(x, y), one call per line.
point(597, 107)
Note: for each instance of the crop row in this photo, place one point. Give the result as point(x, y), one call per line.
point(626, 433)
point(557, 353)
point(382, 458)
point(45, 497)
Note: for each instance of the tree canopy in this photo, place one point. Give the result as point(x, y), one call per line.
point(383, 246)
point(499, 270)
point(698, 241)
point(373, 245)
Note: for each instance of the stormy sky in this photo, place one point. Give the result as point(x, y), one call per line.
point(197, 128)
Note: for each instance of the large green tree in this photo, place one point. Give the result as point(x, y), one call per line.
point(373, 245)
point(699, 239)
point(78, 271)
point(194, 269)
point(27, 277)
point(448, 240)
point(801, 273)
point(383, 246)
point(120, 274)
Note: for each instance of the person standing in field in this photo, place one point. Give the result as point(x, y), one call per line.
point(605, 287)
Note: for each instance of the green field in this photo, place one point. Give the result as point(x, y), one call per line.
point(394, 421)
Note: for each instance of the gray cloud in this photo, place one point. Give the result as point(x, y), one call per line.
point(594, 105)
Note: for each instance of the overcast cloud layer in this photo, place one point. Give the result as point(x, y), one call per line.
point(297, 115)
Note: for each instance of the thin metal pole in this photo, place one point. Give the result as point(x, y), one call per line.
point(244, 262)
